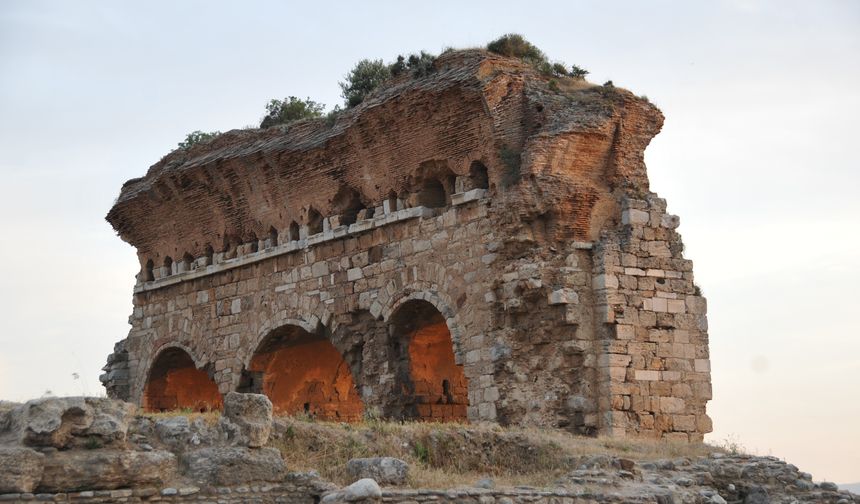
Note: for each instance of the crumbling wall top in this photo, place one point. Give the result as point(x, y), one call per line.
point(476, 107)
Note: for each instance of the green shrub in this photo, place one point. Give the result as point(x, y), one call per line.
point(196, 137)
point(577, 72)
point(559, 70)
point(421, 452)
point(514, 45)
point(366, 76)
point(289, 110)
point(332, 115)
point(398, 67)
point(421, 64)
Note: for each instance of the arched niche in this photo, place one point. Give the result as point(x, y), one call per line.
point(347, 203)
point(314, 222)
point(478, 175)
point(431, 385)
point(175, 383)
point(303, 373)
point(293, 233)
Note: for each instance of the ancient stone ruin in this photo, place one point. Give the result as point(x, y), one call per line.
point(478, 244)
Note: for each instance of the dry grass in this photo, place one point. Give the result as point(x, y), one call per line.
point(570, 85)
point(451, 455)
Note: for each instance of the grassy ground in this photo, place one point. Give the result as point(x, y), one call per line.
point(448, 455)
point(451, 455)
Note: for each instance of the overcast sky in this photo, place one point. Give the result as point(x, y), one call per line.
point(758, 157)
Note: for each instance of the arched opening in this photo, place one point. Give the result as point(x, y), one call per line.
point(315, 221)
point(188, 261)
point(294, 231)
point(347, 203)
point(432, 384)
point(175, 383)
point(273, 237)
point(389, 205)
point(168, 266)
point(253, 244)
point(302, 372)
point(230, 249)
point(478, 175)
point(210, 255)
point(148, 273)
point(432, 194)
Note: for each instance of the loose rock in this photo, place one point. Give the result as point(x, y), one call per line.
point(385, 470)
point(365, 488)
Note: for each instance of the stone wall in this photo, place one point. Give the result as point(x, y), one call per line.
point(479, 196)
point(654, 365)
point(297, 494)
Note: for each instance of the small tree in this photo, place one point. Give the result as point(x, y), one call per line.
point(366, 76)
point(398, 67)
point(196, 137)
point(289, 110)
point(577, 72)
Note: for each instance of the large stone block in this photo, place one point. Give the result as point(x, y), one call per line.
point(233, 465)
point(635, 217)
point(20, 469)
point(105, 469)
point(252, 413)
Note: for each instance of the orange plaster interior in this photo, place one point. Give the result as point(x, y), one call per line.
point(441, 389)
point(309, 376)
point(175, 383)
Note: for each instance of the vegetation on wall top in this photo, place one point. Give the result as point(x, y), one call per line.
point(290, 109)
point(367, 75)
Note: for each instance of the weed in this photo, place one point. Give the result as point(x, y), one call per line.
point(731, 445)
point(92, 443)
point(421, 452)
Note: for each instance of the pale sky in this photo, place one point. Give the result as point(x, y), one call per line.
point(757, 156)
